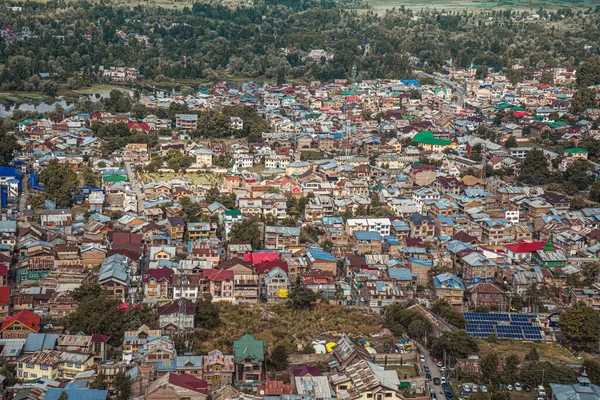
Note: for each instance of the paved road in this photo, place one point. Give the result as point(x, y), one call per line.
point(25, 195)
point(134, 182)
point(434, 371)
point(458, 90)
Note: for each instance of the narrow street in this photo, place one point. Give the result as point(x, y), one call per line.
point(458, 90)
point(134, 183)
point(25, 195)
point(434, 371)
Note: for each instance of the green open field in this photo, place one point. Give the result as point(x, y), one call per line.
point(197, 179)
point(482, 5)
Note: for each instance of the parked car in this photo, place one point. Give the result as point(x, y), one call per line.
point(439, 364)
point(474, 388)
point(526, 388)
point(422, 358)
point(541, 390)
point(443, 379)
point(442, 369)
point(428, 376)
point(466, 388)
point(433, 396)
point(425, 368)
point(483, 388)
point(509, 387)
point(464, 394)
point(436, 381)
point(518, 387)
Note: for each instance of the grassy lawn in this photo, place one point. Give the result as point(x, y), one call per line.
point(205, 178)
point(404, 371)
point(547, 351)
point(279, 324)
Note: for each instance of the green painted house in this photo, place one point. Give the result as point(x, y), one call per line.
point(549, 256)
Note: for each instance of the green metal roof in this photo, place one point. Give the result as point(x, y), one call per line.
point(115, 178)
point(248, 346)
point(426, 137)
point(575, 150)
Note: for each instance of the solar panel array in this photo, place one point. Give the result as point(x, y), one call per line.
point(503, 326)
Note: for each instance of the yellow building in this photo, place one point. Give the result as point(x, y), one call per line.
point(52, 364)
point(41, 364)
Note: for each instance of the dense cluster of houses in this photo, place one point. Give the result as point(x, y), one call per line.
point(401, 211)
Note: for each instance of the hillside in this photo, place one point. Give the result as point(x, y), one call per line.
point(278, 323)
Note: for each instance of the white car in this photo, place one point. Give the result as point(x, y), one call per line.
point(466, 388)
point(509, 387)
point(483, 388)
point(439, 364)
point(422, 358)
point(474, 388)
point(518, 386)
point(443, 380)
point(442, 369)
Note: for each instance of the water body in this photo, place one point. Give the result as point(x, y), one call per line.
point(43, 107)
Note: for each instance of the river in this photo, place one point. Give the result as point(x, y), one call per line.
point(43, 107)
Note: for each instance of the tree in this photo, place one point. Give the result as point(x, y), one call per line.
point(454, 345)
point(279, 358)
point(60, 182)
point(63, 396)
point(481, 72)
point(89, 177)
point(122, 386)
point(511, 367)
point(583, 99)
point(588, 73)
point(207, 314)
point(418, 329)
point(192, 212)
point(302, 298)
point(38, 201)
point(510, 142)
point(246, 231)
point(489, 367)
point(534, 170)
point(581, 326)
point(547, 77)
point(595, 191)
point(449, 313)
point(592, 368)
point(533, 355)
point(99, 382)
point(8, 146)
point(579, 173)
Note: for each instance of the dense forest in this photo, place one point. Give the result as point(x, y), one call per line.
point(273, 38)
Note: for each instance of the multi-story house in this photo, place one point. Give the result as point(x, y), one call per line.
point(379, 294)
point(176, 315)
point(218, 284)
point(186, 121)
point(204, 157)
point(134, 340)
point(275, 285)
point(218, 369)
point(175, 228)
point(421, 226)
point(201, 230)
point(449, 287)
point(158, 284)
point(281, 237)
point(249, 357)
point(40, 364)
point(486, 295)
point(477, 268)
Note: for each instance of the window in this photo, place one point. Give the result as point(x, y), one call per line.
point(44, 367)
point(369, 395)
point(388, 395)
point(29, 365)
point(77, 365)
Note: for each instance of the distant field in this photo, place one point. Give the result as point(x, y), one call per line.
point(460, 4)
